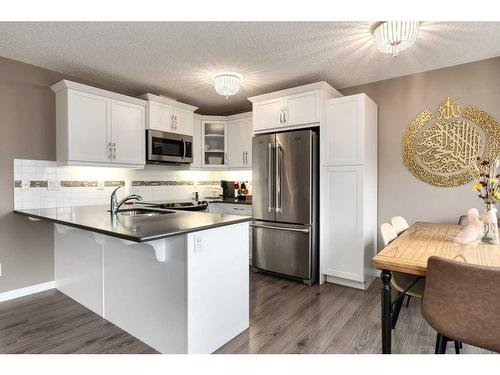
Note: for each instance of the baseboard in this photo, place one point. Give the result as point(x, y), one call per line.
point(21, 292)
point(347, 282)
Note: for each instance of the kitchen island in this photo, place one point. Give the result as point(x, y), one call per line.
point(176, 280)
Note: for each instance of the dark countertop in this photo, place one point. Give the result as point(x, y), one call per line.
point(138, 229)
point(230, 200)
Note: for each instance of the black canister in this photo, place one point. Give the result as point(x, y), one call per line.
point(227, 189)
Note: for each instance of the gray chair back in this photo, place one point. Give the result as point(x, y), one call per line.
point(462, 302)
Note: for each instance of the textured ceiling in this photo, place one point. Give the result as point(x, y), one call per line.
point(177, 59)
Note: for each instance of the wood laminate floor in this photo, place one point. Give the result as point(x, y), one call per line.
point(50, 322)
point(285, 317)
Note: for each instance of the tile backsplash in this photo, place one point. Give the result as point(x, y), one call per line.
point(44, 184)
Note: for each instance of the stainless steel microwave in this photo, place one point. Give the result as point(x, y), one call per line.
point(163, 147)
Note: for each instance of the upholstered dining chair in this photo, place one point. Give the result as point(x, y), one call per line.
point(459, 309)
point(407, 285)
point(400, 224)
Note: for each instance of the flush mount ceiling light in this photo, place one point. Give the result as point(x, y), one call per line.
point(395, 36)
point(227, 83)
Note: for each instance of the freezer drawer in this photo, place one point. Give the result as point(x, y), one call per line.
point(282, 248)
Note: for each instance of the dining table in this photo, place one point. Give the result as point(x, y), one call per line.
point(409, 252)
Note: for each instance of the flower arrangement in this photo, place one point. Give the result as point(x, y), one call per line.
point(487, 184)
point(489, 191)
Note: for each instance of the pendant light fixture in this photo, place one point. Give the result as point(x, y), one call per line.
point(395, 36)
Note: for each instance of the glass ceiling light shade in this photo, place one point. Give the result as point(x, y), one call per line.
point(395, 36)
point(227, 83)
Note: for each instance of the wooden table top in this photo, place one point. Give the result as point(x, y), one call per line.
point(409, 252)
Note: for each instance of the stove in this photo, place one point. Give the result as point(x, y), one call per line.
point(185, 206)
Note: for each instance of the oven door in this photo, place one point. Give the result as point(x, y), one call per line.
point(163, 147)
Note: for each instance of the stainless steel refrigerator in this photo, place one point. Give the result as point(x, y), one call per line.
point(285, 190)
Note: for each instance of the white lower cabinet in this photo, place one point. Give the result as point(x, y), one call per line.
point(234, 209)
point(78, 266)
point(342, 223)
point(182, 294)
point(230, 209)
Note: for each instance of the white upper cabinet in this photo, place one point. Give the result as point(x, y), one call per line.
point(221, 142)
point(183, 119)
point(127, 132)
point(87, 132)
point(169, 115)
point(214, 143)
point(98, 127)
point(267, 114)
point(303, 108)
point(297, 107)
point(344, 138)
point(160, 116)
point(239, 142)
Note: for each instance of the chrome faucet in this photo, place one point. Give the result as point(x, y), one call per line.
point(115, 205)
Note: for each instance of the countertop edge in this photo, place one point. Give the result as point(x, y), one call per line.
point(129, 238)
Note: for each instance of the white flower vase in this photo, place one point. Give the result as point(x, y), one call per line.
point(490, 223)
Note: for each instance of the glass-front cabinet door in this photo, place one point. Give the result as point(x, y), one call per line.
point(214, 148)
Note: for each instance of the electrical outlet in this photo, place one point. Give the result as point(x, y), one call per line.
point(53, 185)
point(25, 184)
point(198, 244)
point(100, 185)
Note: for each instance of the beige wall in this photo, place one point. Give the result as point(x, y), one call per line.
point(27, 131)
point(399, 101)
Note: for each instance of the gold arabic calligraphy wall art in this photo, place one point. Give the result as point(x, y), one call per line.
point(441, 149)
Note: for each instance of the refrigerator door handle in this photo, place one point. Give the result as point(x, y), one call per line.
point(277, 203)
point(302, 230)
point(270, 177)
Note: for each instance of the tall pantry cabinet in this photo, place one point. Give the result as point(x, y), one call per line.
point(348, 193)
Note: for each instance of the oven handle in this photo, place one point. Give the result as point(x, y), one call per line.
point(302, 230)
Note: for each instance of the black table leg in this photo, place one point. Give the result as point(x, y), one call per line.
point(386, 304)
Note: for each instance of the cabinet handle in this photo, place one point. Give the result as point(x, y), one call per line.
point(284, 115)
point(281, 116)
point(114, 150)
point(110, 150)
